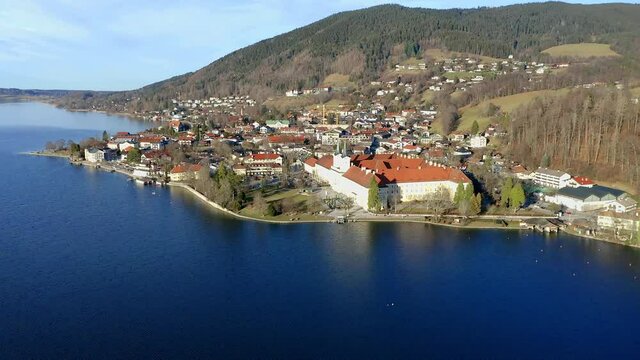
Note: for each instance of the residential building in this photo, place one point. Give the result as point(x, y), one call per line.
point(555, 179)
point(278, 124)
point(183, 172)
point(94, 155)
point(478, 141)
point(613, 220)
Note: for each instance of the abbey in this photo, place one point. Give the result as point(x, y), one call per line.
point(399, 178)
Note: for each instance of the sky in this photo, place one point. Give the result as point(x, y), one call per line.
point(126, 44)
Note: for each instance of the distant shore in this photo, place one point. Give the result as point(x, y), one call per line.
point(398, 218)
point(124, 114)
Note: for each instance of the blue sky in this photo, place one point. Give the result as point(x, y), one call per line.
point(125, 44)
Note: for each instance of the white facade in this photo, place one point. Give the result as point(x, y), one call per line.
point(478, 141)
point(94, 155)
point(394, 192)
point(551, 178)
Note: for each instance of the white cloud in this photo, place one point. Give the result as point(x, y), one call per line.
point(28, 31)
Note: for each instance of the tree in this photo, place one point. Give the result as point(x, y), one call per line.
point(374, 202)
point(468, 192)
point(505, 193)
point(546, 161)
point(224, 195)
point(105, 136)
point(476, 204)
point(475, 128)
point(440, 201)
point(517, 196)
point(134, 155)
point(459, 195)
point(260, 204)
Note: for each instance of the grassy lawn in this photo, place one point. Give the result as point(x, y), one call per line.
point(506, 103)
point(337, 80)
point(492, 224)
point(439, 55)
point(284, 103)
point(635, 91)
point(581, 50)
point(298, 198)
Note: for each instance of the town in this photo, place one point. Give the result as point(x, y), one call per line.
point(373, 158)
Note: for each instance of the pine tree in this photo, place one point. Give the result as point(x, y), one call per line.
point(459, 195)
point(517, 196)
point(505, 193)
point(468, 192)
point(546, 161)
point(105, 136)
point(475, 128)
point(476, 204)
point(374, 202)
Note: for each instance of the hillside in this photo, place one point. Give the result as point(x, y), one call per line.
point(358, 46)
point(505, 104)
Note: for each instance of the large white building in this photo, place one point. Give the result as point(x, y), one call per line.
point(555, 179)
point(593, 198)
point(398, 178)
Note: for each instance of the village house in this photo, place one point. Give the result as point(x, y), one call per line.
point(521, 172)
point(580, 181)
point(260, 165)
point(152, 142)
point(184, 171)
point(477, 142)
point(177, 125)
point(277, 124)
point(617, 221)
point(94, 155)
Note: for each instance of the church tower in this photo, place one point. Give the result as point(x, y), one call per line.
point(341, 161)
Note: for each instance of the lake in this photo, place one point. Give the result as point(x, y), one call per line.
point(95, 266)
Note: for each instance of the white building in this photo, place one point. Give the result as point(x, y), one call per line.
point(593, 198)
point(551, 178)
point(611, 220)
point(399, 178)
point(94, 155)
point(478, 141)
point(183, 172)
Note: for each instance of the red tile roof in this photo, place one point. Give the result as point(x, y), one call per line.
point(394, 169)
point(285, 139)
point(423, 174)
point(311, 161)
point(262, 157)
point(181, 168)
point(581, 180)
point(361, 177)
point(326, 161)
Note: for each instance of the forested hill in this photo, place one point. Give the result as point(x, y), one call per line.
point(362, 44)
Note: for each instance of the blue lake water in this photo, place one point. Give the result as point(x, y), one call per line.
point(94, 266)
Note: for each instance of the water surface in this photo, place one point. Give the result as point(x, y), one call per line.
point(94, 266)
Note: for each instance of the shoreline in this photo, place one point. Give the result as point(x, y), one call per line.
point(405, 219)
